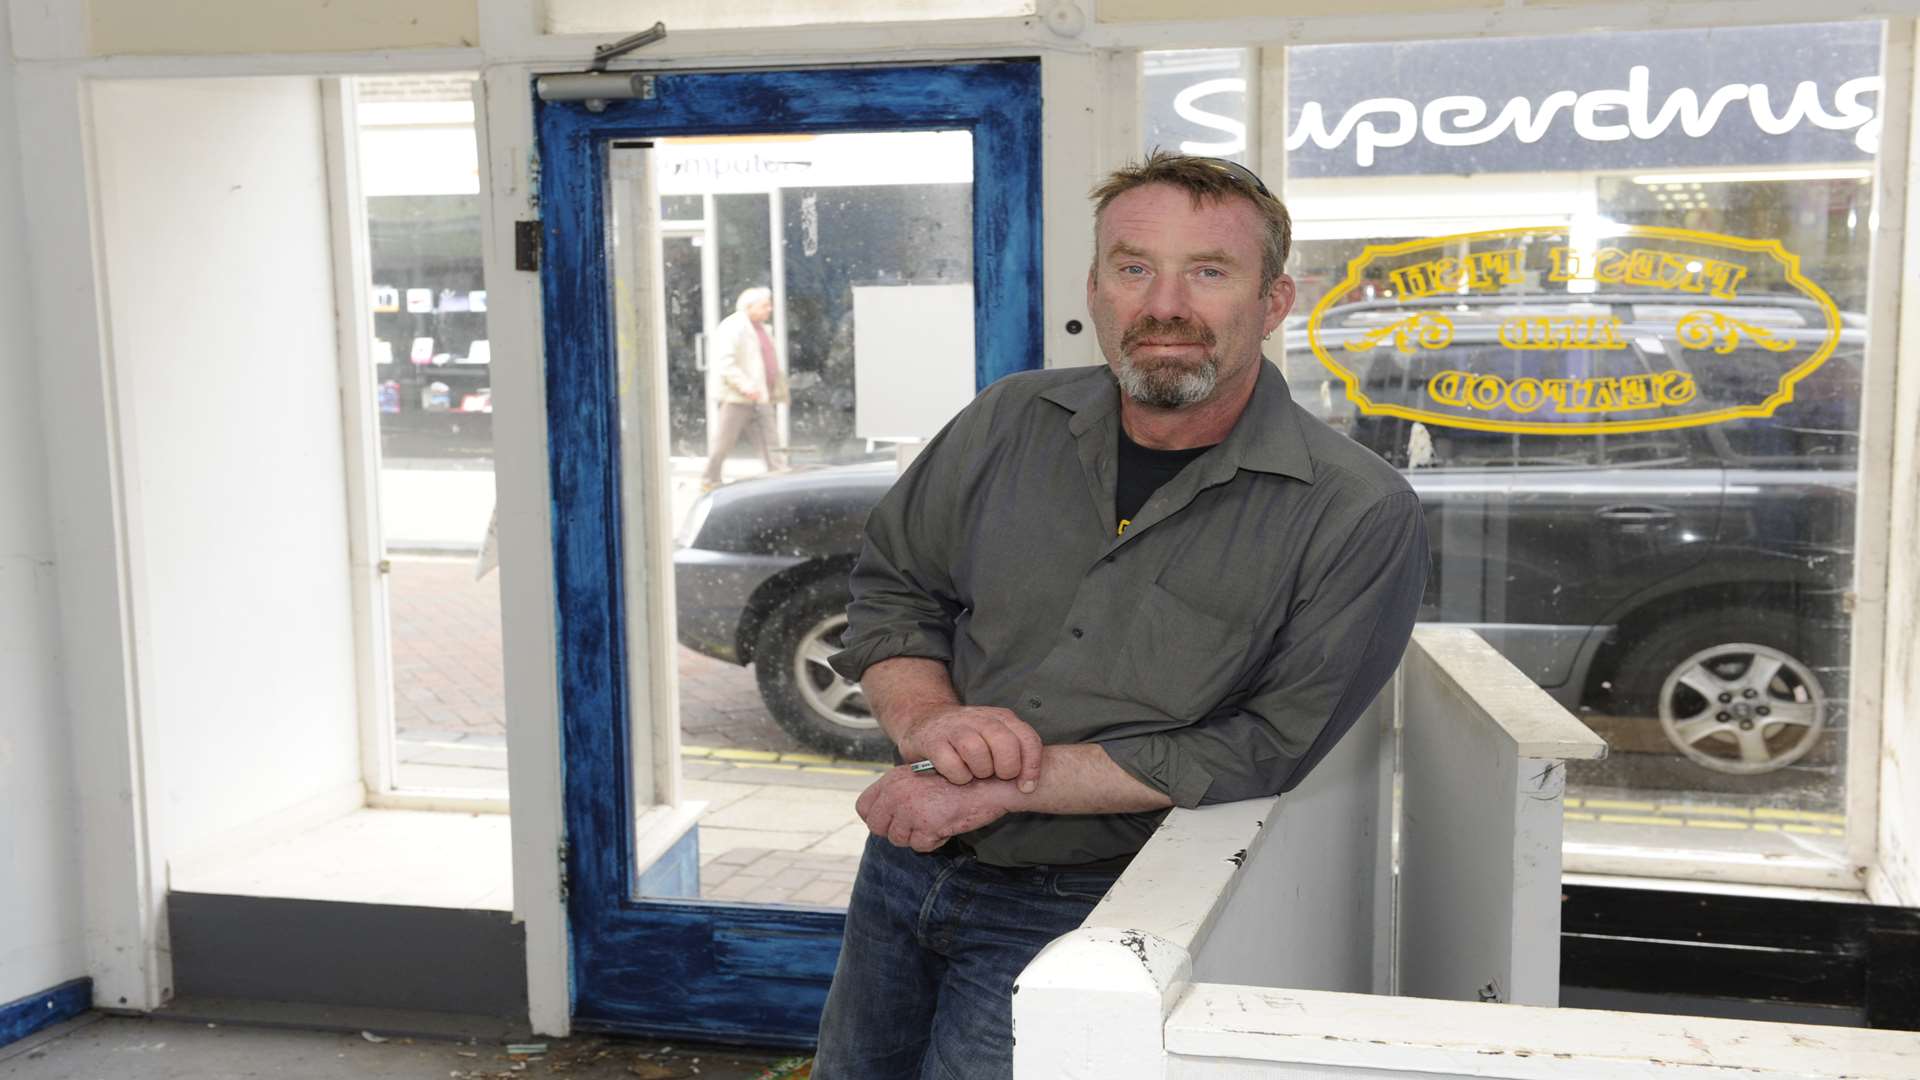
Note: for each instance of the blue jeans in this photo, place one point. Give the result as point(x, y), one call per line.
point(924, 989)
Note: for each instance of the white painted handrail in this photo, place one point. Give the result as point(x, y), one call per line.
point(1279, 890)
point(1484, 688)
point(1299, 892)
point(1101, 993)
point(1246, 1033)
point(1223, 951)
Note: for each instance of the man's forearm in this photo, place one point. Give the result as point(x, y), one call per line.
point(903, 689)
point(923, 812)
point(1078, 778)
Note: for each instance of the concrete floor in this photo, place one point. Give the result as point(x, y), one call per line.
point(121, 1048)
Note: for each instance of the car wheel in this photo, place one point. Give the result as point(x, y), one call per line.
point(813, 702)
point(1732, 688)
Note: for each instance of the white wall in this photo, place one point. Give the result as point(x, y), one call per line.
point(40, 935)
point(214, 219)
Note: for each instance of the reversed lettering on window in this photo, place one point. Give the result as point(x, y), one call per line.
point(1552, 331)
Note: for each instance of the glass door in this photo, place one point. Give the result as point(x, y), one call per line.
point(760, 290)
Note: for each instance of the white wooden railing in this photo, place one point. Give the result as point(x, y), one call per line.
point(1397, 914)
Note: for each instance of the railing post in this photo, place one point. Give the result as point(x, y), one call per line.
point(1483, 773)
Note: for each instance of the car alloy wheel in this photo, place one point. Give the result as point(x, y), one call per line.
point(805, 696)
point(834, 697)
point(1742, 708)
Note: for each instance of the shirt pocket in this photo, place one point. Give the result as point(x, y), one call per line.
point(1178, 658)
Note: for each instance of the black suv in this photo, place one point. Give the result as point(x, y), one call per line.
point(1695, 575)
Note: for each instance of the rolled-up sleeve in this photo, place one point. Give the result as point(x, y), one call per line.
point(1331, 657)
point(904, 600)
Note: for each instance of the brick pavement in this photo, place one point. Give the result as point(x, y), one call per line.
point(446, 649)
point(447, 678)
point(779, 877)
point(450, 720)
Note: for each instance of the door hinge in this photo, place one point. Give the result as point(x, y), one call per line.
point(526, 245)
point(563, 872)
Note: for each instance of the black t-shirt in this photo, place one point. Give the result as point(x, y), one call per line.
point(1142, 471)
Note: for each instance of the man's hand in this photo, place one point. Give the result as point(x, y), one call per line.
point(921, 812)
point(969, 742)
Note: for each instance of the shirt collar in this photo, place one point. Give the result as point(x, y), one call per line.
point(1266, 438)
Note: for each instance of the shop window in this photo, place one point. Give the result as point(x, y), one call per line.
point(1602, 297)
point(433, 397)
point(1195, 101)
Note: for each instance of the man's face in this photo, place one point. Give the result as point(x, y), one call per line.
point(1175, 294)
point(760, 310)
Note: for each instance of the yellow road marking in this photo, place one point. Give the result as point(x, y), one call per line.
point(1639, 819)
point(730, 754)
point(1799, 815)
point(1721, 811)
point(768, 759)
point(1703, 816)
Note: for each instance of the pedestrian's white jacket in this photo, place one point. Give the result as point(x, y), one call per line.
point(739, 373)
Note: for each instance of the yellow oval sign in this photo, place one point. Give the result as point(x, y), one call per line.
point(1548, 331)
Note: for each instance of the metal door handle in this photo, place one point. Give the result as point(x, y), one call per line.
point(1637, 515)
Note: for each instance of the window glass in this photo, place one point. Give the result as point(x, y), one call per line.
point(817, 318)
point(419, 175)
point(1195, 101)
point(1602, 298)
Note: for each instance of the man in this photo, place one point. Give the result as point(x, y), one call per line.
point(748, 380)
point(1097, 594)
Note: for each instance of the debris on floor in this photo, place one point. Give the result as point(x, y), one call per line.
point(177, 1051)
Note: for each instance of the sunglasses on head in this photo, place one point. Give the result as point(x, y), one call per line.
point(1238, 172)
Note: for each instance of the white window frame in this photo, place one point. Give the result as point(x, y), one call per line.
point(360, 421)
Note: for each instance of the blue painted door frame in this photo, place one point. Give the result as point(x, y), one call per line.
point(681, 967)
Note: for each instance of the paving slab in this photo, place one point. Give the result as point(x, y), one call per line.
point(783, 810)
point(848, 840)
point(718, 842)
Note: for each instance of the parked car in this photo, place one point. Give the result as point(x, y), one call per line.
point(1694, 575)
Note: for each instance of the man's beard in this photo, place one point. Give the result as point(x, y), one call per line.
point(1168, 384)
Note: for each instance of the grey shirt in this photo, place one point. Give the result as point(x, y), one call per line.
point(1217, 650)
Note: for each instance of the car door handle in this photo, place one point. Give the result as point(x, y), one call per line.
point(1636, 515)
